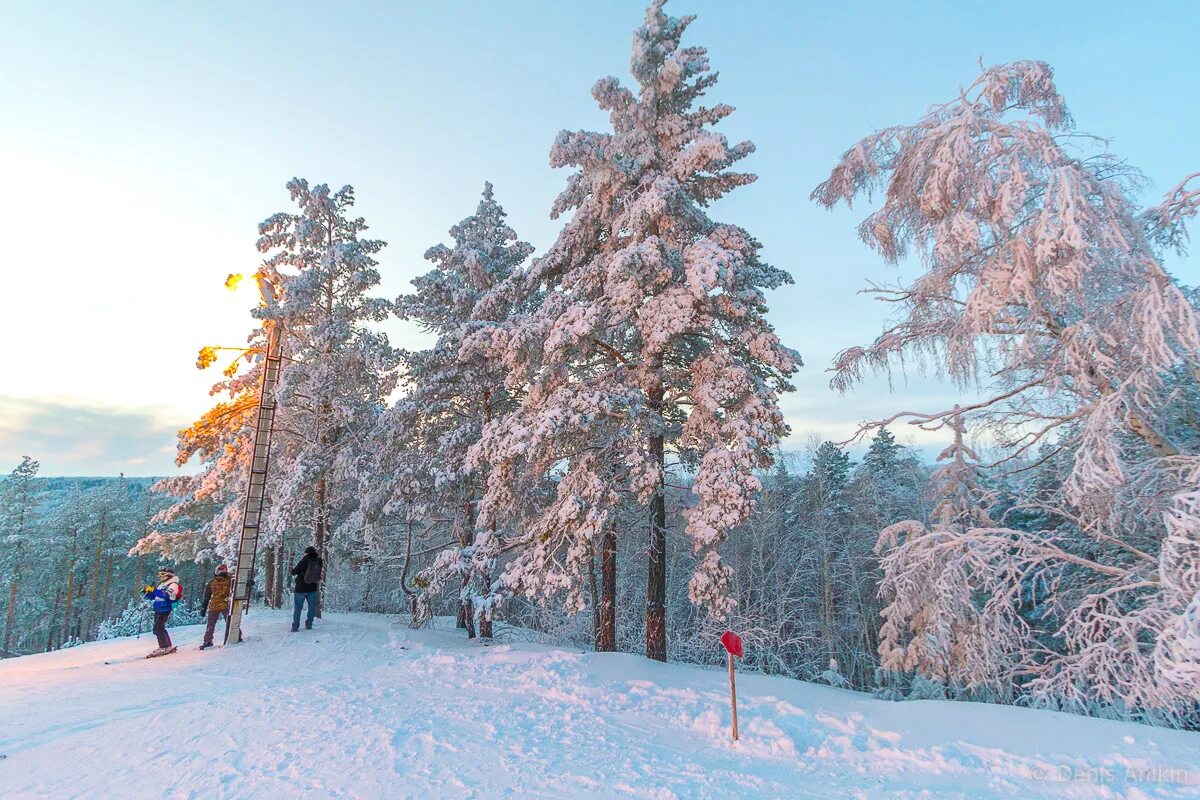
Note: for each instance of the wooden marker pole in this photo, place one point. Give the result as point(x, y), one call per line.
point(733, 646)
point(733, 697)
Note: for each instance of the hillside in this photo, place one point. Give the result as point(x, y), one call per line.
point(365, 707)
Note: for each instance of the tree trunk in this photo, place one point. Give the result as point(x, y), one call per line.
point(200, 573)
point(281, 561)
point(594, 596)
point(327, 437)
point(97, 560)
point(12, 608)
point(269, 568)
point(485, 621)
point(606, 641)
point(53, 621)
point(77, 631)
point(53, 626)
point(319, 543)
point(466, 614)
point(106, 604)
point(826, 602)
point(70, 593)
point(656, 568)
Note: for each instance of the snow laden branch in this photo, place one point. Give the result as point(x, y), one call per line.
point(1041, 286)
point(1166, 222)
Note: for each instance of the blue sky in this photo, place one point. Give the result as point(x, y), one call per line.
point(143, 142)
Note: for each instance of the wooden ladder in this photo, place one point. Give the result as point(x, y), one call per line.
point(256, 490)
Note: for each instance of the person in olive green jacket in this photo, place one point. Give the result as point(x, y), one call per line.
point(216, 603)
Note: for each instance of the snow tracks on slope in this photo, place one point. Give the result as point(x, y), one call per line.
point(364, 707)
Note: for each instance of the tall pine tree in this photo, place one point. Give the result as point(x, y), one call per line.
point(652, 339)
point(421, 463)
point(338, 370)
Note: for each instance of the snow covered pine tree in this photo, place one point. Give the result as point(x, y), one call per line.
point(17, 498)
point(1040, 281)
point(420, 465)
point(651, 338)
point(204, 517)
point(337, 372)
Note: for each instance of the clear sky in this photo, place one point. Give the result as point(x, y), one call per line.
point(141, 143)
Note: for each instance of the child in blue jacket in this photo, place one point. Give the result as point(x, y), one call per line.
point(162, 600)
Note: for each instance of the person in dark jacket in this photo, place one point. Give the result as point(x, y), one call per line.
point(217, 595)
point(308, 581)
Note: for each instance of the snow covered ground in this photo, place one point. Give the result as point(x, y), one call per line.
point(365, 707)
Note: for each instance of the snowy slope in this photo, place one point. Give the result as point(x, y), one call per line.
point(365, 707)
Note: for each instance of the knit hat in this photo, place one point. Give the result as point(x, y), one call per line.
point(222, 569)
point(310, 550)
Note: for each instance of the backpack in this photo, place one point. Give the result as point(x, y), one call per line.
point(312, 573)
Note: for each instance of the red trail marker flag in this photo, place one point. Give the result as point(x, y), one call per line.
point(733, 646)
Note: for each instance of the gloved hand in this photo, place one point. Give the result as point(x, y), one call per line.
point(148, 590)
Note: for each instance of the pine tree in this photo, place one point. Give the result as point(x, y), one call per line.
point(69, 517)
point(452, 394)
point(883, 456)
point(651, 339)
point(18, 500)
point(826, 487)
point(110, 506)
point(338, 371)
point(204, 515)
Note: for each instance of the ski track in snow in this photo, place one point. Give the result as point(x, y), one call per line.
point(364, 707)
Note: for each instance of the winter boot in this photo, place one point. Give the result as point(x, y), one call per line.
point(204, 646)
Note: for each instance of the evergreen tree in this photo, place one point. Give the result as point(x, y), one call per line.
point(338, 371)
point(651, 339)
point(453, 392)
point(18, 501)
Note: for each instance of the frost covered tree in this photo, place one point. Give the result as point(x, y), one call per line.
point(206, 511)
point(950, 614)
point(336, 375)
point(826, 489)
point(113, 520)
point(204, 515)
point(338, 370)
point(18, 500)
point(420, 464)
point(1041, 288)
point(71, 536)
point(68, 519)
point(651, 339)
point(888, 485)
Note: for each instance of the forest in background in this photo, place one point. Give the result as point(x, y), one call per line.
point(590, 448)
point(804, 572)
